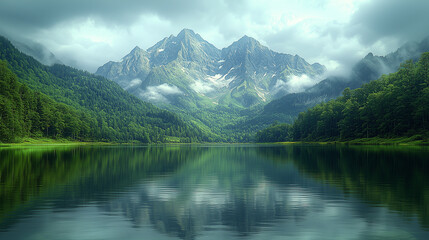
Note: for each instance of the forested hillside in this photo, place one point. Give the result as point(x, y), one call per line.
point(396, 105)
point(24, 112)
point(217, 90)
point(110, 112)
point(371, 67)
point(62, 102)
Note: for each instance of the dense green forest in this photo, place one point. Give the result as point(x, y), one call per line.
point(104, 111)
point(57, 101)
point(24, 112)
point(396, 105)
point(275, 133)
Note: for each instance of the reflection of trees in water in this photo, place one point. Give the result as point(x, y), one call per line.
point(185, 218)
point(224, 188)
point(185, 190)
point(67, 177)
point(255, 192)
point(396, 177)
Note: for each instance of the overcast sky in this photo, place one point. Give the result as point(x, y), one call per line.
point(88, 33)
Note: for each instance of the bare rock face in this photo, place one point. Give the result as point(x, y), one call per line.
point(187, 71)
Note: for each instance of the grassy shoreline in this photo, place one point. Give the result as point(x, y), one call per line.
point(67, 142)
point(52, 142)
point(414, 140)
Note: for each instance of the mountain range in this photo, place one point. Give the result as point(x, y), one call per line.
point(371, 67)
point(242, 88)
point(218, 95)
point(62, 102)
point(186, 71)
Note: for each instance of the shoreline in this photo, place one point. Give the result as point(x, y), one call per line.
point(66, 142)
point(410, 141)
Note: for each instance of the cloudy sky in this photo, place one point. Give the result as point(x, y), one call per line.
point(88, 33)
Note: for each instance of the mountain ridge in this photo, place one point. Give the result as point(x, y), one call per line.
point(210, 87)
point(369, 68)
point(112, 113)
point(392, 106)
point(233, 76)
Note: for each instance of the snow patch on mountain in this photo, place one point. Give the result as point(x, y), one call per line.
point(219, 80)
point(230, 71)
point(261, 94)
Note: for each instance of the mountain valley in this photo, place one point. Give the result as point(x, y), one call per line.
point(212, 88)
point(225, 95)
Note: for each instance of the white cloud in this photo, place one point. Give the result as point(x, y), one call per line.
point(336, 33)
point(295, 84)
point(87, 43)
point(202, 87)
point(159, 93)
point(133, 83)
point(300, 83)
point(280, 86)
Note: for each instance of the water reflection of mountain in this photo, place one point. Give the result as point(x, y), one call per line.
point(66, 177)
point(184, 191)
point(392, 176)
point(231, 188)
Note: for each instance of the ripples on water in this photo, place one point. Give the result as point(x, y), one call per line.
point(214, 192)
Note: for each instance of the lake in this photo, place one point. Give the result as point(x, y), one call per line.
point(214, 192)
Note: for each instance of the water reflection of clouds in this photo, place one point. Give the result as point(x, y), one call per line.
point(333, 221)
point(160, 192)
point(214, 198)
point(247, 209)
point(299, 198)
point(263, 193)
point(265, 210)
point(208, 196)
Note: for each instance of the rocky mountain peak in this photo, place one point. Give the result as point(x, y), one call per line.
point(248, 40)
point(186, 33)
point(186, 46)
point(137, 52)
point(136, 49)
point(247, 43)
point(369, 55)
point(244, 74)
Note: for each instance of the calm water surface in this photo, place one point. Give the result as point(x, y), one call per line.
point(214, 192)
